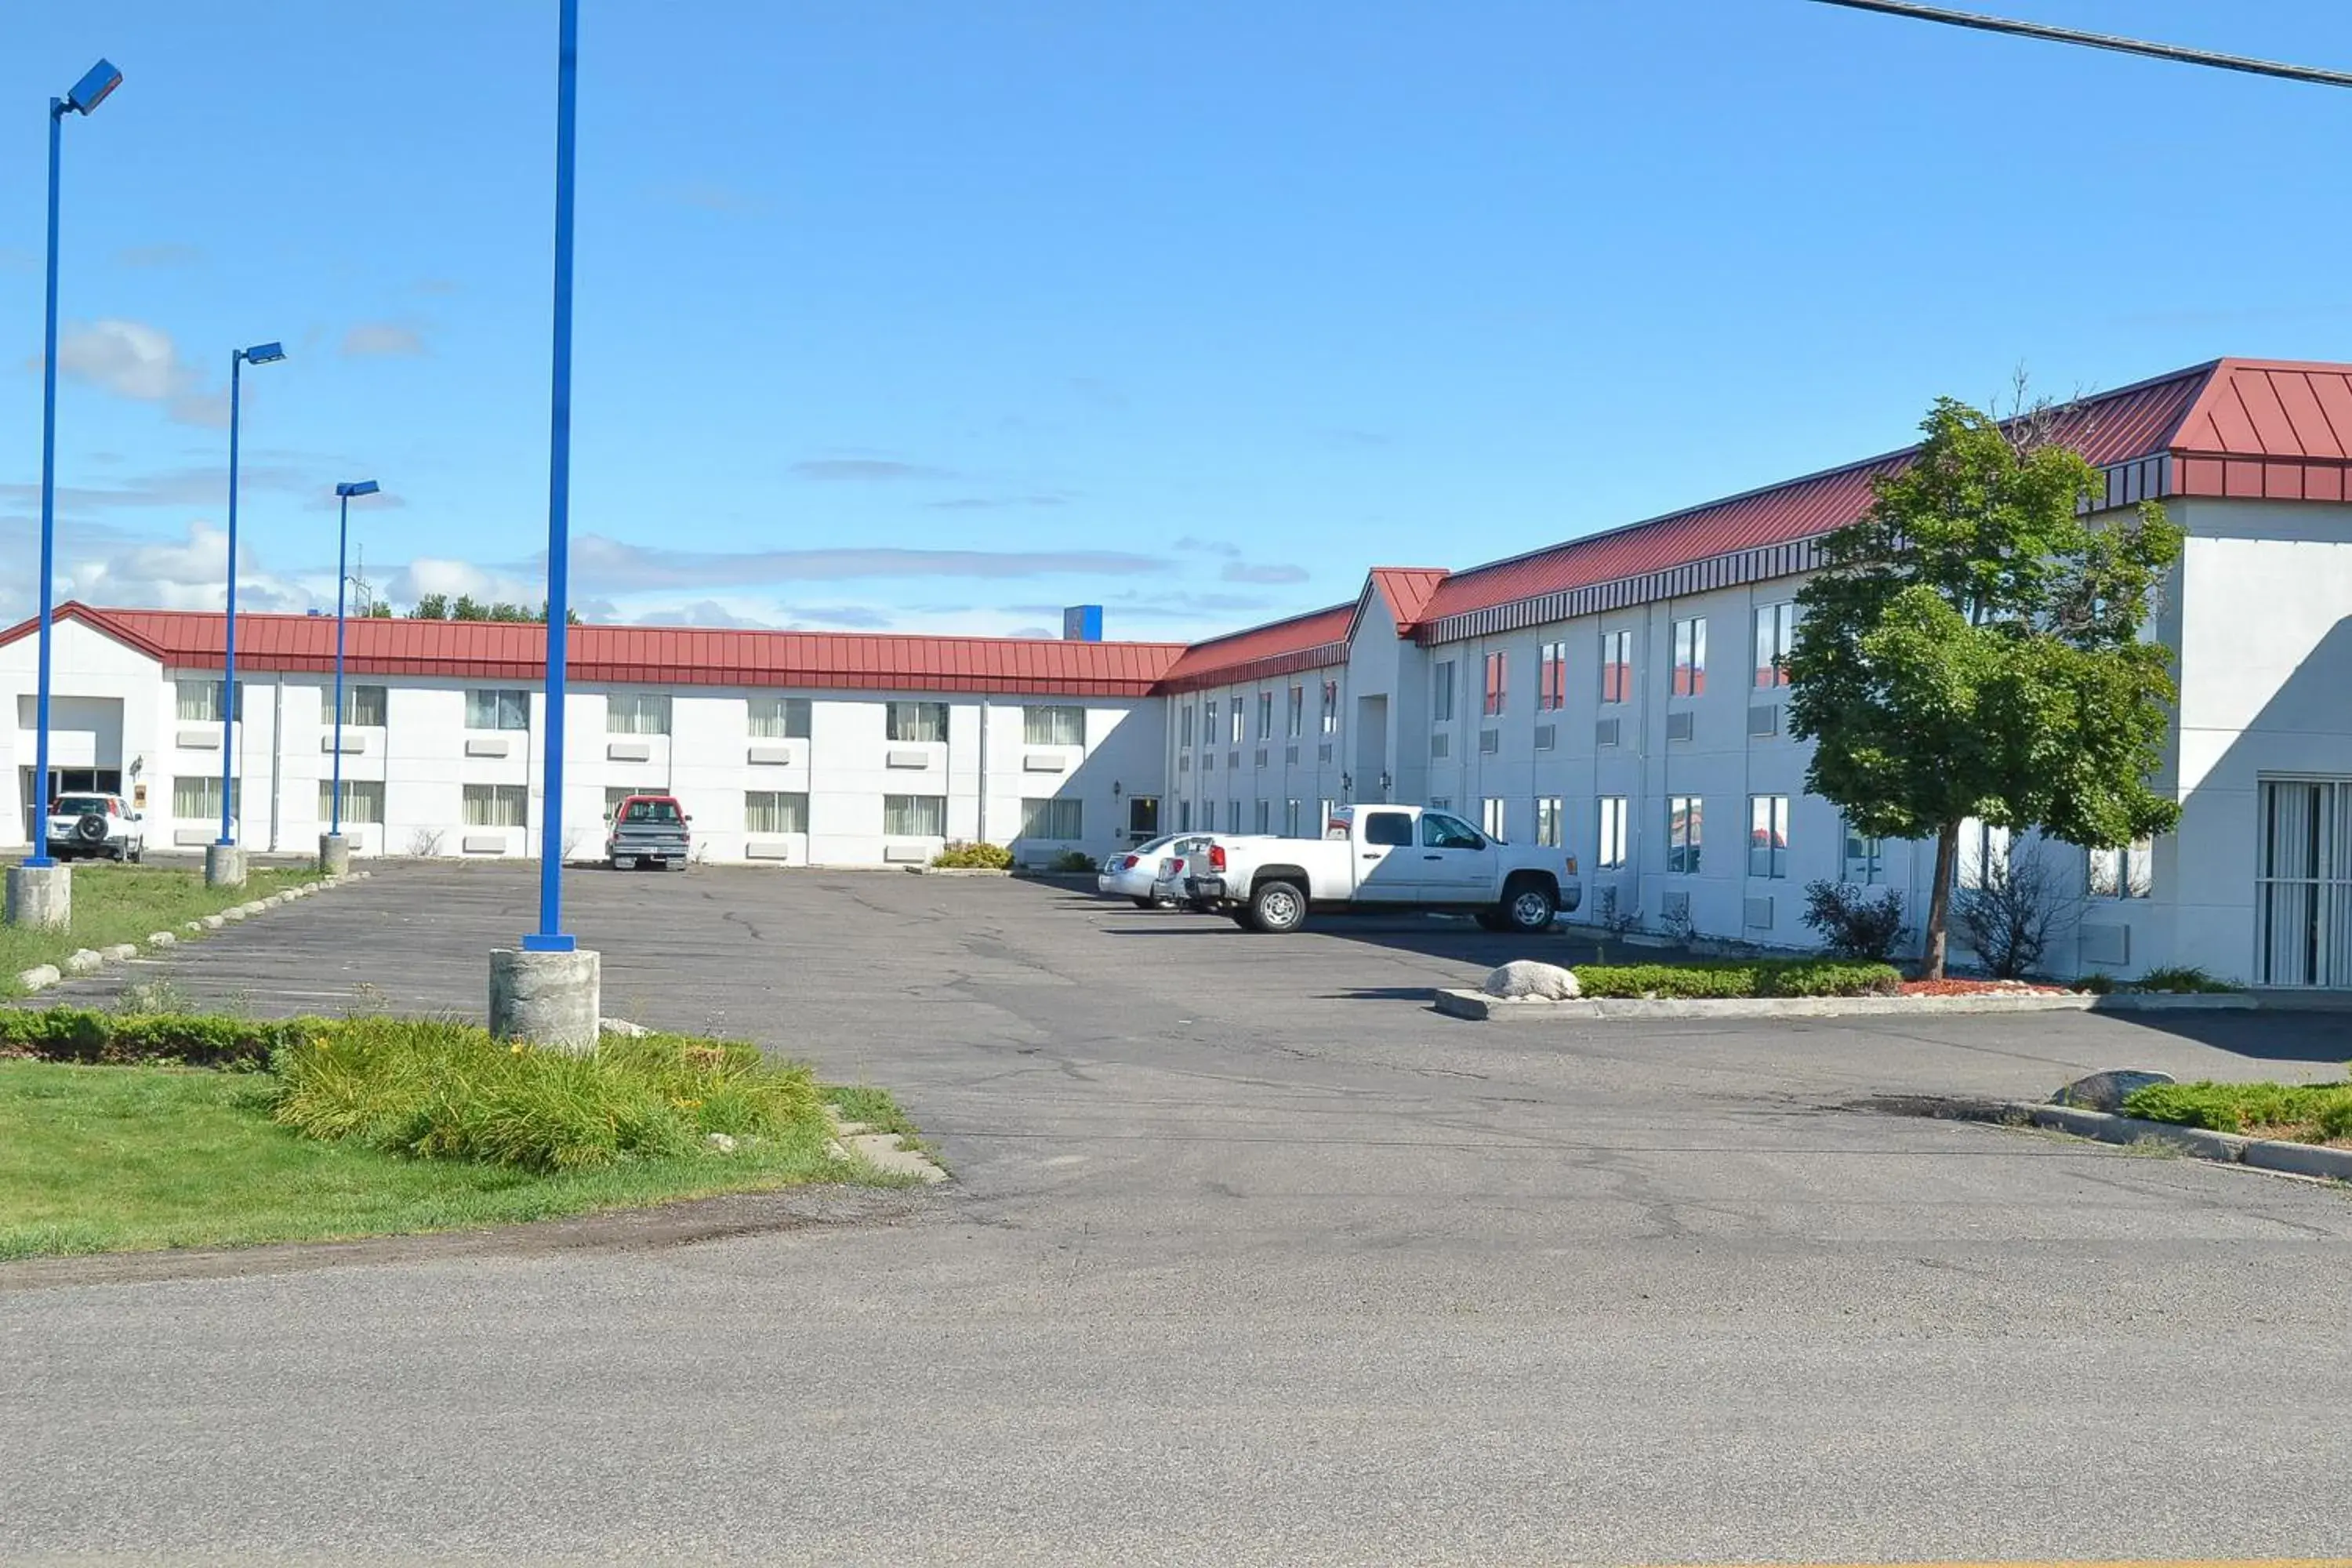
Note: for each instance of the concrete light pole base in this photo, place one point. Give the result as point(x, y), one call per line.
point(334, 854)
point(224, 865)
point(550, 999)
point(39, 895)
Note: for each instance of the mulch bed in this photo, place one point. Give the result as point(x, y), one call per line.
point(1979, 988)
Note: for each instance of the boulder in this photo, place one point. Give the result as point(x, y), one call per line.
point(162, 939)
point(2107, 1090)
point(622, 1027)
point(40, 977)
point(120, 951)
point(1525, 980)
point(723, 1142)
point(84, 962)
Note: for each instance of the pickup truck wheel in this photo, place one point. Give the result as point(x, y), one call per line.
point(1278, 908)
point(1528, 908)
point(1489, 921)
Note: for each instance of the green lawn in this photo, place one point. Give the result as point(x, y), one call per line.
point(2295, 1112)
point(103, 1159)
point(127, 904)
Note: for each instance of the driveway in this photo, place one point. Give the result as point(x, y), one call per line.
point(1251, 1259)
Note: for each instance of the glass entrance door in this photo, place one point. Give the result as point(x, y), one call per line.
point(2304, 896)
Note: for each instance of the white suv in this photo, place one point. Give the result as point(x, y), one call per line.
point(95, 826)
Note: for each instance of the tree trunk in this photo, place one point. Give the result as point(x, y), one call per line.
point(1939, 901)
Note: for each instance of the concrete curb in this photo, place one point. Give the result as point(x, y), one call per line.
point(885, 1151)
point(1479, 1006)
point(2224, 1147)
point(88, 961)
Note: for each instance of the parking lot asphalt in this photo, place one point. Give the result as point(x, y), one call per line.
point(1251, 1258)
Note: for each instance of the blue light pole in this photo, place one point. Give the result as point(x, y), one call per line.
point(550, 936)
point(261, 353)
point(87, 94)
point(343, 494)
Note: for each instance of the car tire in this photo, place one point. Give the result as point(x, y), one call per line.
point(1528, 908)
point(1491, 919)
point(1142, 903)
point(1278, 908)
point(139, 856)
point(1242, 919)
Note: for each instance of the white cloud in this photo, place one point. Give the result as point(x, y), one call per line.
point(381, 338)
point(431, 574)
point(133, 360)
point(189, 575)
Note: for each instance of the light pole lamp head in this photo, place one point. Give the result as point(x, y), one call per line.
point(91, 90)
point(262, 353)
point(356, 488)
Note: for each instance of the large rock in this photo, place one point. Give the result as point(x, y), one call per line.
point(2107, 1090)
point(1525, 980)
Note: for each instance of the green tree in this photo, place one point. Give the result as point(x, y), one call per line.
point(1971, 648)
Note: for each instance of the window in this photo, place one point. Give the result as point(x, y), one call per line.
point(363, 708)
point(1767, 835)
point(2123, 873)
point(1490, 812)
point(917, 721)
point(500, 710)
point(1865, 858)
point(636, 714)
point(1776, 632)
point(198, 800)
point(773, 811)
point(1497, 674)
point(497, 806)
point(1439, 831)
point(1984, 850)
point(1690, 658)
point(1393, 828)
point(1264, 817)
point(1441, 692)
point(1185, 726)
point(1234, 726)
point(1054, 821)
point(1265, 715)
point(1551, 676)
point(1184, 811)
point(1290, 813)
point(1232, 816)
point(1209, 724)
point(1330, 707)
point(1062, 724)
point(1323, 818)
point(1616, 666)
point(1684, 817)
point(1549, 811)
point(1297, 711)
point(1609, 847)
point(362, 800)
point(915, 815)
point(780, 718)
point(200, 701)
point(1440, 803)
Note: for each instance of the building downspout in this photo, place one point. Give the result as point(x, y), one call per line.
point(277, 751)
point(982, 835)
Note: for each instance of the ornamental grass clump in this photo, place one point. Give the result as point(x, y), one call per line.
point(448, 1090)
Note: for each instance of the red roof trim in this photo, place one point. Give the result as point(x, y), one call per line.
point(1309, 641)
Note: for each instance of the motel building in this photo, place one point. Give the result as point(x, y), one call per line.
point(1618, 695)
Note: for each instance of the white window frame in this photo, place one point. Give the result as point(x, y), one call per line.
point(777, 718)
point(1612, 832)
point(1690, 658)
point(1768, 814)
point(1776, 634)
point(636, 714)
point(899, 809)
point(483, 804)
point(1550, 809)
point(1053, 725)
point(904, 723)
point(1054, 819)
point(1616, 667)
point(498, 703)
point(2127, 875)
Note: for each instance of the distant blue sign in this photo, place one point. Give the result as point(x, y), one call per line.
point(1082, 623)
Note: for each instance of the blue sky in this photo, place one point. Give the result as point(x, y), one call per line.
point(937, 317)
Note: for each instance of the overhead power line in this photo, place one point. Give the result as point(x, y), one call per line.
point(2176, 53)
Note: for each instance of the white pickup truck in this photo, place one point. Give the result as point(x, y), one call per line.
point(1373, 858)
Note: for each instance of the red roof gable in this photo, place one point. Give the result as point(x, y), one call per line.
point(1280, 647)
point(1407, 591)
point(669, 656)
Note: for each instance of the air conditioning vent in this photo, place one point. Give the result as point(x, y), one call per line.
point(1184, 763)
point(1232, 759)
point(1291, 755)
point(1756, 914)
point(1605, 731)
point(1547, 737)
point(1681, 726)
point(1323, 752)
point(1441, 745)
point(2105, 943)
point(1208, 761)
point(1489, 741)
point(1764, 719)
point(1261, 757)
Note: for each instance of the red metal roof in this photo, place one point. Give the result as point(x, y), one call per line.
point(2114, 427)
point(1407, 591)
point(667, 655)
point(2268, 430)
point(1302, 642)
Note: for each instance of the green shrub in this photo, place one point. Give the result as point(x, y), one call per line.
point(120, 1039)
point(1851, 922)
point(2311, 1111)
point(2181, 977)
point(1740, 978)
point(2096, 984)
point(974, 857)
point(448, 1090)
point(1073, 862)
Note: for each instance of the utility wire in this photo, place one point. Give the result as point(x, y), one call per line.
point(2176, 53)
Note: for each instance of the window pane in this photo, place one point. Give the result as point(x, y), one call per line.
point(362, 800)
point(1548, 821)
point(496, 805)
point(917, 721)
point(1767, 835)
point(1233, 720)
point(779, 718)
point(915, 815)
point(498, 710)
point(1055, 725)
point(1264, 817)
point(2140, 875)
point(1389, 827)
point(1057, 821)
point(636, 714)
point(1441, 692)
point(1297, 711)
point(199, 701)
point(196, 799)
point(1265, 715)
point(1491, 814)
point(1498, 673)
point(1290, 815)
point(774, 811)
point(363, 707)
point(1609, 852)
